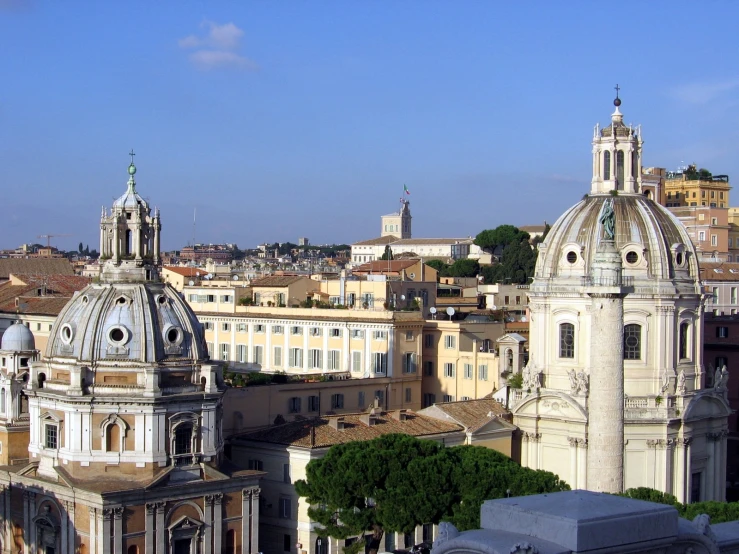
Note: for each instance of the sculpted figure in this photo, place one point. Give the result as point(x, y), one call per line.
point(608, 220)
point(573, 381)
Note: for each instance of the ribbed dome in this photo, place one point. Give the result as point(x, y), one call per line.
point(137, 322)
point(130, 200)
point(18, 338)
point(653, 243)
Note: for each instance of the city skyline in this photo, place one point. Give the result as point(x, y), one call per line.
point(276, 121)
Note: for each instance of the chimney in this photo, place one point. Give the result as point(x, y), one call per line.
point(368, 419)
point(337, 423)
point(400, 415)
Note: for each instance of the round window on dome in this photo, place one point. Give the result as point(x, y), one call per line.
point(118, 335)
point(67, 333)
point(120, 300)
point(632, 257)
point(572, 257)
point(161, 299)
point(173, 335)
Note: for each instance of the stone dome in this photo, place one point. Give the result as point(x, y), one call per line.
point(653, 243)
point(146, 323)
point(18, 338)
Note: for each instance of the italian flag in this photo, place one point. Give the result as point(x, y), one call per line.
point(405, 190)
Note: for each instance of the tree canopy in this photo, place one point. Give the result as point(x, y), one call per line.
point(719, 512)
point(395, 482)
point(464, 267)
point(502, 235)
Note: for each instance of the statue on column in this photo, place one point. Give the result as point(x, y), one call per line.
point(607, 219)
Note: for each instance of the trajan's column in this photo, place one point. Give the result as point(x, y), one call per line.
point(606, 402)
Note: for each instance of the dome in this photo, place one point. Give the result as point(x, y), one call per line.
point(130, 200)
point(18, 338)
point(147, 323)
point(653, 243)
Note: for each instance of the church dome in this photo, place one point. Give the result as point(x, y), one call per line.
point(18, 338)
point(148, 323)
point(653, 243)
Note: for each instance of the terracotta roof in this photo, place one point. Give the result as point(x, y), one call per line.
point(319, 433)
point(58, 289)
point(277, 280)
point(379, 240)
point(410, 242)
point(473, 414)
point(385, 266)
point(185, 271)
point(35, 266)
point(718, 271)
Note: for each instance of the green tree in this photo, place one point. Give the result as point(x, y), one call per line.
point(388, 254)
point(79, 248)
point(439, 266)
point(502, 235)
point(396, 482)
point(464, 267)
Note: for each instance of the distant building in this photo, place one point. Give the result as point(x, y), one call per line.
point(692, 187)
point(398, 224)
point(222, 253)
point(303, 241)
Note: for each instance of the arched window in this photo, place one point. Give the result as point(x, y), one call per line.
point(620, 168)
point(230, 542)
point(133, 549)
point(509, 359)
point(606, 165)
point(566, 340)
point(113, 438)
point(183, 444)
point(684, 329)
point(632, 342)
point(634, 164)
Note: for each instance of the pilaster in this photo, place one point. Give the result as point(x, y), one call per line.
point(118, 530)
point(254, 521)
point(149, 539)
point(217, 522)
point(161, 536)
point(245, 513)
point(208, 531)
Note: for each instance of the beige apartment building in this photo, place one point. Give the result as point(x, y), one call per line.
point(692, 189)
point(708, 228)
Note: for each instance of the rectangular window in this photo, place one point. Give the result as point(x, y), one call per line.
point(428, 340)
point(285, 508)
point(368, 300)
point(714, 290)
point(566, 340)
point(313, 403)
point(294, 405)
point(701, 235)
point(448, 398)
point(356, 361)
point(450, 342)
point(258, 354)
point(429, 399)
point(722, 332)
point(482, 372)
point(408, 394)
point(379, 335)
point(731, 242)
point(259, 328)
point(379, 362)
point(209, 346)
point(334, 300)
point(357, 334)
point(211, 297)
point(241, 353)
point(225, 348)
point(409, 335)
point(255, 465)
point(316, 332)
point(315, 359)
point(733, 295)
point(448, 369)
point(334, 360)
point(51, 439)
point(428, 368)
point(714, 221)
point(277, 356)
point(287, 542)
point(208, 325)
point(337, 401)
point(277, 330)
point(295, 330)
point(409, 362)
point(468, 370)
point(714, 240)
point(227, 299)
point(242, 328)
point(360, 400)
point(296, 357)
point(380, 397)
point(192, 298)
point(335, 333)
point(225, 326)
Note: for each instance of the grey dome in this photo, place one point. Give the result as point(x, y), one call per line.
point(129, 322)
point(654, 244)
point(18, 338)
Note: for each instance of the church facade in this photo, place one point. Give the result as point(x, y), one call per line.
point(615, 393)
point(123, 418)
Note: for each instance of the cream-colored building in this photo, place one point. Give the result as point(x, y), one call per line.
point(181, 276)
point(615, 393)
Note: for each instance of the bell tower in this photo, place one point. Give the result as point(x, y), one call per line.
point(398, 224)
point(616, 155)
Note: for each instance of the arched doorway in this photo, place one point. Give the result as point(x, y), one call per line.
point(321, 545)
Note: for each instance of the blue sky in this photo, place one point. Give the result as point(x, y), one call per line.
point(305, 118)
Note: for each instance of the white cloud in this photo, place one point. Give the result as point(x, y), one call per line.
point(218, 48)
point(703, 92)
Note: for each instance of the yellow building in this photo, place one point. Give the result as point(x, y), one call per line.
point(693, 187)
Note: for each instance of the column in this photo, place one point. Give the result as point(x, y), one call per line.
point(710, 467)
point(26, 521)
point(217, 522)
point(254, 524)
point(573, 461)
point(525, 449)
point(116, 241)
point(669, 465)
point(245, 511)
point(104, 517)
point(161, 538)
point(118, 530)
point(582, 464)
point(103, 242)
point(688, 465)
point(679, 473)
point(208, 531)
point(149, 540)
point(63, 523)
point(136, 238)
point(724, 458)
point(93, 528)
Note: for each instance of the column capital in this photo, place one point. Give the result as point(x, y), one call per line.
point(151, 508)
point(685, 441)
point(106, 513)
point(572, 441)
point(582, 443)
point(118, 512)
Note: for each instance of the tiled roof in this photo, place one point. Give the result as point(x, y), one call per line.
point(277, 280)
point(389, 239)
point(185, 271)
point(473, 414)
point(35, 266)
point(58, 289)
point(385, 266)
point(718, 271)
point(421, 242)
point(318, 433)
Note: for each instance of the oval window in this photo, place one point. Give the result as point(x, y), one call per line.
point(173, 335)
point(67, 333)
point(572, 257)
point(162, 299)
point(679, 258)
point(116, 334)
point(632, 257)
point(121, 300)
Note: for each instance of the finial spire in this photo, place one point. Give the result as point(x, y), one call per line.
point(617, 101)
